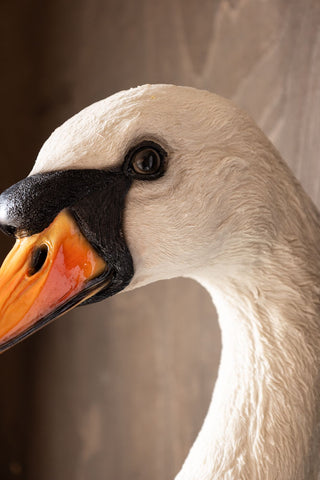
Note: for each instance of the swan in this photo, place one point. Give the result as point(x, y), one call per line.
point(161, 181)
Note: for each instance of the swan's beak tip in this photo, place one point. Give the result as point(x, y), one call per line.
point(45, 275)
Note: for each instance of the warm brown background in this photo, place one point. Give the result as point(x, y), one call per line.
point(118, 390)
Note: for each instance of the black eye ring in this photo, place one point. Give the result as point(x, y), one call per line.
point(145, 161)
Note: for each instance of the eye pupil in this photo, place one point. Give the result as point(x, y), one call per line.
point(146, 161)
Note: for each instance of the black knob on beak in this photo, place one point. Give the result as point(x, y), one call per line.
point(12, 206)
point(7, 224)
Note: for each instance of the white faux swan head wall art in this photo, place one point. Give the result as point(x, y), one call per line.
point(163, 181)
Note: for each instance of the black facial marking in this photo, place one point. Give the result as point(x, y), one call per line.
point(103, 229)
point(30, 205)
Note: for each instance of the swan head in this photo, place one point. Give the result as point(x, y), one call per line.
point(161, 181)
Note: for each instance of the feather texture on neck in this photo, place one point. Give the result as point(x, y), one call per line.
point(264, 419)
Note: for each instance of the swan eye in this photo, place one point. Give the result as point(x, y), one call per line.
point(145, 161)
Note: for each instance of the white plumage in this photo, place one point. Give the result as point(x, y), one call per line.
point(228, 213)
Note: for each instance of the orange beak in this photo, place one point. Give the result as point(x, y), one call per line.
point(46, 275)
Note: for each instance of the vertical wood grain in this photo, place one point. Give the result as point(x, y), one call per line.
point(120, 389)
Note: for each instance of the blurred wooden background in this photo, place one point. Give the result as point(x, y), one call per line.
point(119, 390)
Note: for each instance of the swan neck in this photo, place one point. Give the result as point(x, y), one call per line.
point(264, 416)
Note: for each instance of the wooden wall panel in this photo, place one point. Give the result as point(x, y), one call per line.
point(120, 389)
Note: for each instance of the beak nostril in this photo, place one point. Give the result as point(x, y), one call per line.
point(38, 258)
